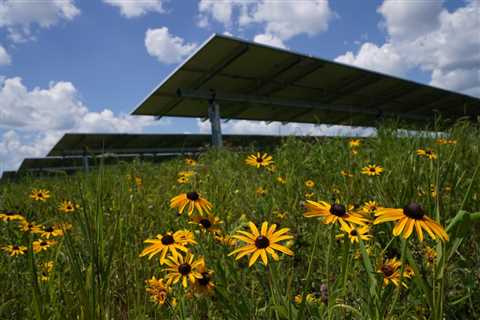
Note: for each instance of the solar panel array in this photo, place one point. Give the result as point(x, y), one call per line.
point(256, 82)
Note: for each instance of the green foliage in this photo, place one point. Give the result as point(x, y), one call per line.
point(98, 273)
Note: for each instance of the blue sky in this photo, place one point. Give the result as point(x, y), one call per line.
point(84, 65)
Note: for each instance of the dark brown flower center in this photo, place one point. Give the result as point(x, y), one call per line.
point(372, 170)
point(193, 196)
point(387, 270)
point(15, 247)
point(204, 280)
point(205, 223)
point(414, 211)
point(49, 229)
point(429, 152)
point(69, 207)
point(354, 233)
point(262, 242)
point(43, 243)
point(184, 269)
point(338, 210)
point(259, 160)
point(40, 195)
point(167, 240)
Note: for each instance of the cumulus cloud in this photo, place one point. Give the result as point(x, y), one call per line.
point(281, 20)
point(19, 16)
point(383, 59)
point(131, 9)
point(445, 44)
point(33, 120)
point(166, 47)
point(276, 128)
point(270, 40)
point(4, 57)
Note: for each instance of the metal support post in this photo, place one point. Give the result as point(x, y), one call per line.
point(85, 160)
point(214, 116)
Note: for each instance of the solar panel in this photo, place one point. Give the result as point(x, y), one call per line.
point(256, 82)
point(115, 143)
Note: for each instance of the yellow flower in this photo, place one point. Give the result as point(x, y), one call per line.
point(40, 195)
point(208, 223)
point(427, 153)
point(430, 256)
point(445, 141)
point(309, 184)
point(193, 200)
point(186, 174)
point(412, 215)
point(346, 174)
point(204, 286)
point(190, 162)
point(67, 206)
point(260, 191)
point(281, 180)
point(14, 250)
point(372, 170)
point(259, 160)
point(168, 242)
point(356, 233)
point(52, 231)
point(184, 269)
point(333, 213)
point(158, 290)
point(42, 245)
point(354, 143)
point(183, 180)
point(46, 268)
point(309, 194)
point(310, 298)
point(261, 243)
point(390, 270)
point(8, 215)
point(31, 227)
point(226, 240)
point(370, 207)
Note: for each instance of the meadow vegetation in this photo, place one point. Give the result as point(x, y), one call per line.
point(374, 228)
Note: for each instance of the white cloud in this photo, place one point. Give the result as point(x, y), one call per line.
point(4, 57)
point(383, 59)
point(276, 128)
point(281, 20)
point(409, 19)
point(137, 8)
point(35, 119)
point(445, 44)
point(19, 16)
point(166, 47)
point(270, 40)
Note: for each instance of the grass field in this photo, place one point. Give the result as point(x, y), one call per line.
point(339, 258)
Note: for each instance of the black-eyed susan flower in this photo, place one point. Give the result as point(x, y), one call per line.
point(42, 245)
point(259, 160)
point(40, 195)
point(261, 191)
point(281, 180)
point(390, 269)
point(183, 180)
point(8, 215)
point(372, 170)
point(190, 162)
point(31, 227)
point(168, 242)
point(208, 222)
point(262, 243)
point(67, 206)
point(193, 200)
point(186, 174)
point(332, 213)
point(430, 255)
point(370, 207)
point(354, 143)
point(408, 272)
point(158, 290)
point(64, 226)
point(51, 231)
point(309, 184)
point(355, 233)
point(45, 270)
point(445, 141)
point(14, 250)
point(183, 269)
point(204, 285)
point(226, 240)
point(310, 298)
point(410, 217)
point(427, 153)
